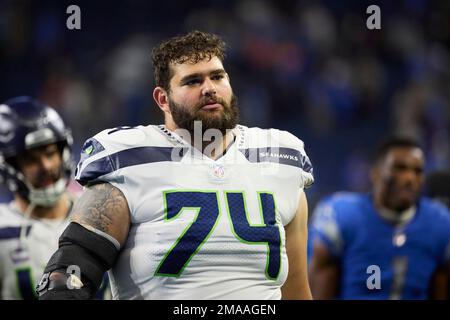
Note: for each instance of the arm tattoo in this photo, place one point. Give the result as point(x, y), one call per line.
point(103, 207)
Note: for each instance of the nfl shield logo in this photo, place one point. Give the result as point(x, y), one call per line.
point(218, 173)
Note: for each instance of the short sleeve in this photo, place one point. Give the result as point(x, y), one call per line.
point(293, 149)
point(326, 228)
point(95, 163)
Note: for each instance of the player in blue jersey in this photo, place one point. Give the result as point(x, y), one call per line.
point(197, 208)
point(389, 244)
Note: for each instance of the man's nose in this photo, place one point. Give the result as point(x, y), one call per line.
point(209, 89)
point(410, 176)
point(45, 163)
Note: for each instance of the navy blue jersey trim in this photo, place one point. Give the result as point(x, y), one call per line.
point(12, 232)
point(128, 158)
point(142, 155)
point(287, 156)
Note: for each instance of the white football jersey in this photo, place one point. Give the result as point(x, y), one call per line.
point(200, 228)
point(22, 262)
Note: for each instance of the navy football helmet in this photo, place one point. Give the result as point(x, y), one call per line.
point(26, 123)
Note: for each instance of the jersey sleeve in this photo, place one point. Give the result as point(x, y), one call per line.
point(96, 162)
point(108, 156)
point(306, 167)
point(104, 155)
point(103, 158)
point(294, 151)
point(327, 228)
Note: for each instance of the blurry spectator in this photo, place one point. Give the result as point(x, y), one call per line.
point(390, 244)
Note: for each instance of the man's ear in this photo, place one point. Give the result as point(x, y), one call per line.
point(162, 99)
point(374, 174)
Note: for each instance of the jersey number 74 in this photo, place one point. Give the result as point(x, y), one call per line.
point(206, 204)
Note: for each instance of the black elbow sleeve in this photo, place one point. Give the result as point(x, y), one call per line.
point(80, 251)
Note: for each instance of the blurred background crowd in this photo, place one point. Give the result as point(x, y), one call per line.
point(310, 67)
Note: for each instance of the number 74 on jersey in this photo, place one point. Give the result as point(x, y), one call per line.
point(206, 205)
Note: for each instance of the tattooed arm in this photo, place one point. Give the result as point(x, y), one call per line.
point(91, 243)
point(103, 207)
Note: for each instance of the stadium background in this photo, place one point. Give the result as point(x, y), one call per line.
point(310, 67)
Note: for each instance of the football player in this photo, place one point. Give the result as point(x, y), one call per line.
point(198, 208)
point(389, 244)
point(35, 165)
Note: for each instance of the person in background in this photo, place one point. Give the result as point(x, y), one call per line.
point(36, 166)
point(388, 244)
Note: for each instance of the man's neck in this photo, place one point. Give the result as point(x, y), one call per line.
point(58, 211)
point(217, 148)
point(212, 149)
point(398, 218)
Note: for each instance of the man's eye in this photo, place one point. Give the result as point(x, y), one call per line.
point(217, 77)
point(51, 154)
point(400, 168)
point(192, 82)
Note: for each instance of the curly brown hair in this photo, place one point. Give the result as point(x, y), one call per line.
point(192, 47)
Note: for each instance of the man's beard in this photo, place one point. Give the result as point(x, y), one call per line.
point(184, 117)
point(46, 175)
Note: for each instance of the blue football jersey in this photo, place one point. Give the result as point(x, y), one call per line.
point(362, 241)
